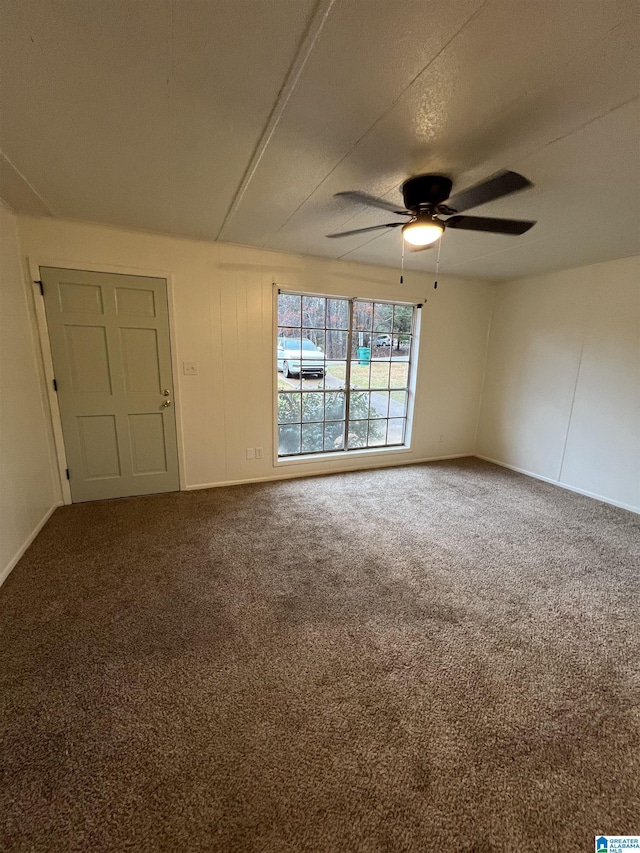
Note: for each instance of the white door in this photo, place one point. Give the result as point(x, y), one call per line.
point(112, 361)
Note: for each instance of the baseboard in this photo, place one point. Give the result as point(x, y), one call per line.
point(15, 559)
point(297, 474)
point(593, 495)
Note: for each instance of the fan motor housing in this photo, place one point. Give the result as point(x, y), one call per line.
point(426, 190)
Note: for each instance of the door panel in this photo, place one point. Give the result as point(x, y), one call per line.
point(88, 358)
point(141, 358)
point(110, 345)
point(84, 298)
point(148, 443)
point(135, 302)
point(99, 444)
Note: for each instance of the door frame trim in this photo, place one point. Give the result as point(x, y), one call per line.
point(34, 264)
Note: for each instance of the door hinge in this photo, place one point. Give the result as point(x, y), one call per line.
point(55, 385)
point(41, 286)
point(68, 475)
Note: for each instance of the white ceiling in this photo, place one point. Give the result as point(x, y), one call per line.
point(238, 120)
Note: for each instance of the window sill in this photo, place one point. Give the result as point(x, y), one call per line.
point(342, 454)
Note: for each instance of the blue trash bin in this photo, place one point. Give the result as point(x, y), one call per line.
point(364, 355)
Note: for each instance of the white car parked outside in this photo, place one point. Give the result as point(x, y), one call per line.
point(299, 356)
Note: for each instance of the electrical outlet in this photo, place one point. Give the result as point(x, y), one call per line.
point(190, 368)
point(258, 453)
point(251, 453)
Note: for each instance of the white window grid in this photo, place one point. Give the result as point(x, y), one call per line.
point(344, 432)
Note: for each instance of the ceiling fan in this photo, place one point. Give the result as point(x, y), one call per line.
point(424, 198)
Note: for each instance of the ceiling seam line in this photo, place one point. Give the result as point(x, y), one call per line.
point(305, 49)
point(381, 116)
point(580, 127)
point(51, 210)
point(521, 245)
point(361, 245)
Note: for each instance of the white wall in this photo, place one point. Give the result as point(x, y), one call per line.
point(561, 397)
point(222, 318)
point(28, 492)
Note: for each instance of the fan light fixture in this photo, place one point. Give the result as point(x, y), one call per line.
point(422, 231)
point(424, 199)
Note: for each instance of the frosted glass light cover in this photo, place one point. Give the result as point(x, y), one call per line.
point(421, 233)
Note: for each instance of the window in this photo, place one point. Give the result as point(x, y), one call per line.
point(343, 373)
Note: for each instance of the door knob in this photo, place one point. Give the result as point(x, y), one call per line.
point(166, 404)
point(166, 392)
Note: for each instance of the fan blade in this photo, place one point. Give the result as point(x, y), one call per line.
point(497, 186)
point(362, 230)
point(487, 223)
point(372, 201)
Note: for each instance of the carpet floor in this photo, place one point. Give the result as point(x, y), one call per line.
point(427, 658)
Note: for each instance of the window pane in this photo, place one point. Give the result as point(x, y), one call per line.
point(382, 317)
point(379, 404)
point(334, 406)
point(402, 318)
point(381, 345)
point(360, 374)
point(398, 404)
point(395, 432)
point(400, 374)
point(361, 347)
point(316, 338)
point(288, 310)
point(362, 316)
point(357, 434)
point(334, 436)
point(359, 405)
point(335, 376)
point(377, 434)
point(312, 407)
point(288, 440)
point(380, 374)
point(312, 438)
point(313, 312)
point(337, 314)
point(336, 344)
point(400, 346)
point(288, 408)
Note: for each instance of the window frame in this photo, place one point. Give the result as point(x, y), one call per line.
point(345, 452)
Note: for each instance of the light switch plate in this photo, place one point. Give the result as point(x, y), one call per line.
point(190, 368)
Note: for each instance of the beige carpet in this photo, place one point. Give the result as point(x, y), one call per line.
point(429, 658)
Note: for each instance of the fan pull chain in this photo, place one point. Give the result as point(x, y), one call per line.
point(402, 265)
point(435, 283)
